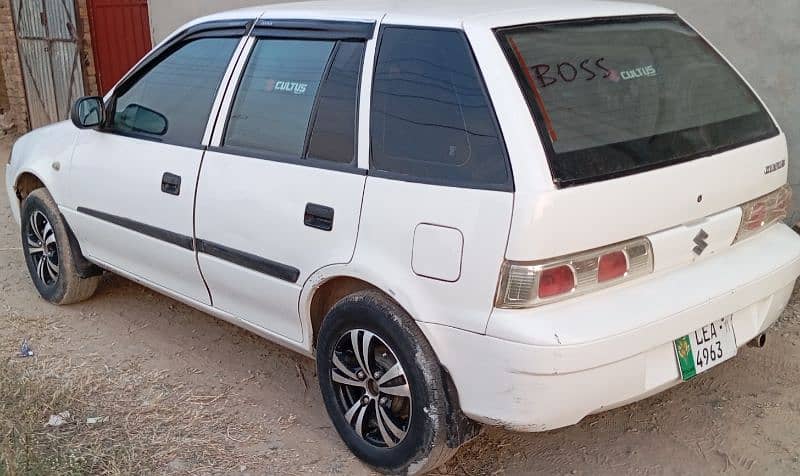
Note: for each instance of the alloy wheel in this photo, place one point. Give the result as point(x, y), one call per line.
point(372, 388)
point(43, 248)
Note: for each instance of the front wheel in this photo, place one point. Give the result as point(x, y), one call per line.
point(383, 386)
point(49, 252)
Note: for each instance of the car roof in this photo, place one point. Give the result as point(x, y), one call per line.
point(444, 13)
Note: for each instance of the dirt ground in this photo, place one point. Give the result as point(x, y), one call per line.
point(264, 413)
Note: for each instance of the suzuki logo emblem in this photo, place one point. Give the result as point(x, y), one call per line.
point(700, 241)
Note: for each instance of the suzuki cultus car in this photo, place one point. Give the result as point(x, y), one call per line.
point(512, 213)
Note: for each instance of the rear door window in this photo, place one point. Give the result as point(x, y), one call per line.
point(431, 117)
point(273, 106)
point(621, 96)
point(333, 136)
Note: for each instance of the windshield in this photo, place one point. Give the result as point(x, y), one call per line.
point(621, 96)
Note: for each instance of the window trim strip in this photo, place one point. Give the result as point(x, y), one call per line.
point(314, 29)
point(216, 106)
point(214, 29)
point(235, 81)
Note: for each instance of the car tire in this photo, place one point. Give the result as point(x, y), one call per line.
point(50, 254)
point(389, 431)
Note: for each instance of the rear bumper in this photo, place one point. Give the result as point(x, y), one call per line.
point(534, 387)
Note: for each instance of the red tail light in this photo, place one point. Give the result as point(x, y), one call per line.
point(556, 281)
point(529, 284)
point(612, 266)
point(764, 212)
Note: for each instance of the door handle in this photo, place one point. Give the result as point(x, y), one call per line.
point(319, 217)
point(171, 184)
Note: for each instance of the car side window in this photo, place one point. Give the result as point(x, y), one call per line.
point(172, 101)
point(431, 117)
point(276, 96)
point(333, 136)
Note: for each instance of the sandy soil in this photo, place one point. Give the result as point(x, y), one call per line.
point(743, 417)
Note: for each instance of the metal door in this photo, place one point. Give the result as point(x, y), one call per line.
point(120, 36)
point(48, 48)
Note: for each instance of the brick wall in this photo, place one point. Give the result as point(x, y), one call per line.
point(87, 53)
point(3, 93)
point(15, 90)
point(9, 58)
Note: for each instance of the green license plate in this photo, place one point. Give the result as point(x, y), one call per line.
point(706, 348)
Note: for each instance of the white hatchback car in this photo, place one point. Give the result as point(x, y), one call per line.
point(514, 213)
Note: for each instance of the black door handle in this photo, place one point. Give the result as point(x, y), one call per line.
point(171, 184)
point(319, 217)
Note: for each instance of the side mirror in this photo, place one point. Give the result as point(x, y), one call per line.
point(88, 112)
point(138, 118)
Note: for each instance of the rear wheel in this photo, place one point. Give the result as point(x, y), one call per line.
point(50, 254)
point(383, 386)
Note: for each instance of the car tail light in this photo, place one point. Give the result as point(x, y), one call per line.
point(764, 212)
point(556, 281)
point(526, 285)
point(612, 266)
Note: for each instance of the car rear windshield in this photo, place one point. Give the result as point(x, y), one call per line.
point(619, 96)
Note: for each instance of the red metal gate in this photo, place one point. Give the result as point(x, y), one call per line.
point(120, 36)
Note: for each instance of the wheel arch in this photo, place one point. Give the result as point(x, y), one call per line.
point(39, 174)
point(329, 285)
point(25, 183)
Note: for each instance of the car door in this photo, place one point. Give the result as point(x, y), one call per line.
point(279, 195)
point(133, 180)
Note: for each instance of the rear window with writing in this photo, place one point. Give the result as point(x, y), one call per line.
point(621, 96)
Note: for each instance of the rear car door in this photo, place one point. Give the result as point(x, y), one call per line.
point(280, 192)
point(438, 201)
point(133, 180)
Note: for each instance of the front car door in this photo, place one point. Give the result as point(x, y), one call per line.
point(133, 180)
point(279, 197)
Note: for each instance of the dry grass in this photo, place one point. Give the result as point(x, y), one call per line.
point(153, 425)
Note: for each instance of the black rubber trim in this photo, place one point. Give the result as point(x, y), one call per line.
point(314, 29)
point(249, 261)
point(185, 242)
point(240, 258)
point(215, 29)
